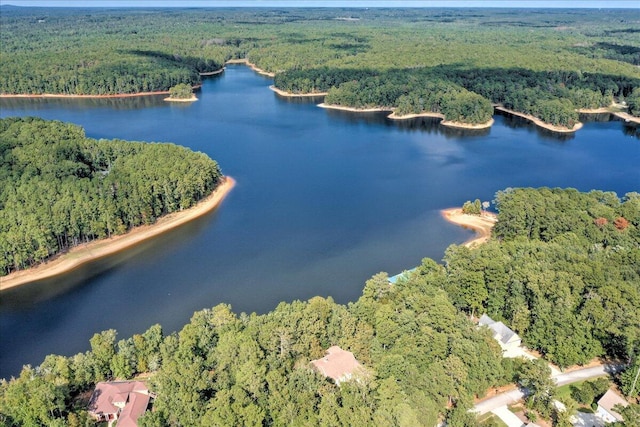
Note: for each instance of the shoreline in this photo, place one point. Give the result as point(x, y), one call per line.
point(212, 73)
point(600, 110)
point(91, 251)
point(354, 110)
point(627, 117)
point(481, 224)
point(296, 95)
point(460, 125)
point(252, 66)
point(394, 116)
point(192, 99)
point(116, 95)
point(539, 122)
point(623, 115)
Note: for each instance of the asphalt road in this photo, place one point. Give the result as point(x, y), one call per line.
point(512, 396)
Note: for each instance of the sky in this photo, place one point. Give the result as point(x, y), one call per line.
point(330, 3)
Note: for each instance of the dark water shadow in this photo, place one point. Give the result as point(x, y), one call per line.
point(595, 118)
point(515, 122)
point(128, 103)
point(300, 100)
point(631, 129)
point(428, 125)
point(27, 295)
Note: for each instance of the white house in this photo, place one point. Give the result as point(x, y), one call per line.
point(507, 338)
point(606, 404)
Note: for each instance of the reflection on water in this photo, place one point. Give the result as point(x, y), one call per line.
point(129, 103)
point(21, 297)
point(631, 129)
point(300, 100)
point(517, 122)
point(598, 117)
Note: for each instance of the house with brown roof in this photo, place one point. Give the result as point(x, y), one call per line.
point(121, 401)
point(606, 405)
point(338, 364)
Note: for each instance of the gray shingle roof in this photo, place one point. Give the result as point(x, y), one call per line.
point(501, 332)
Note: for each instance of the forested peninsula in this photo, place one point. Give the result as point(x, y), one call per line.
point(454, 63)
point(561, 269)
point(62, 189)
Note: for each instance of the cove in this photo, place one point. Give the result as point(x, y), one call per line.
point(324, 200)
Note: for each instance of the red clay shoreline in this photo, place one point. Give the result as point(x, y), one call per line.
point(83, 254)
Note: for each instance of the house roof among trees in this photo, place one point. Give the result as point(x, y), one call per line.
point(501, 332)
point(337, 364)
point(611, 399)
point(108, 398)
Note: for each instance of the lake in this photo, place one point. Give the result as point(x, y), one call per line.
point(324, 200)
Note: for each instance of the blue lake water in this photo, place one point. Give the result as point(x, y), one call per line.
point(324, 200)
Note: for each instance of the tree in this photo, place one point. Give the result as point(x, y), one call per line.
point(103, 349)
point(181, 91)
point(563, 414)
point(630, 414)
point(633, 101)
point(629, 379)
point(470, 208)
point(535, 379)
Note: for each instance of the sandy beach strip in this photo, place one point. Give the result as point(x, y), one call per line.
point(192, 99)
point(539, 122)
point(116, 95)
point(608, 110)
point(354, 110)
point(627, 117)
point(481, 224)
point(394, 116)
point(212, 73)
point(97, 249)
point(296, 95)
point(461, 125)
point(600, 110)
point(60, 95)
point(252, 66)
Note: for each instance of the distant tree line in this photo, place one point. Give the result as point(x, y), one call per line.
point(61, 188)
point(457, 64)
point(463, 94)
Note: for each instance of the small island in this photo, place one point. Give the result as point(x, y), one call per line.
point(181, 93)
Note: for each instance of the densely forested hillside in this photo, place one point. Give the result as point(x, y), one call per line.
point(60, 188)
point(562, 269)
point(453, 61)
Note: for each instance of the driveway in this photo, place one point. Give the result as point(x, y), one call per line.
point(502, 399)
point(512, 396)
point(508, 417)
point(584, 374)
point(581, 419)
